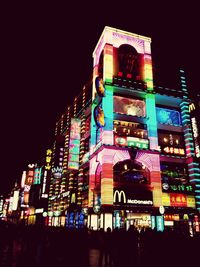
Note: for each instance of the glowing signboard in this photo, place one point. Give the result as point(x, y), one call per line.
point(195, 136)
point(174, 150)
point(141, 197)
point(74, 144)
point(48, 159)
point(99, 84)
point(37, 176)
point(181, 188)
point(99, 116)
point(168, 116)
point(178, 200)
point(128, 106)
point(131, 141)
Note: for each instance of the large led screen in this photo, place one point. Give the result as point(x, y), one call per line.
point(128, 106)
point(168, 116)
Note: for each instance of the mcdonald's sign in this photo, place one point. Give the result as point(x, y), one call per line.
point(119, 196)
point(191, 107)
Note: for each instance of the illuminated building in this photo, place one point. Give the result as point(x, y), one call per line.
point(130, 148)
point(69, 182)
point(33, 194)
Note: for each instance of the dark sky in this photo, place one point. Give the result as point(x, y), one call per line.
point(46, 57)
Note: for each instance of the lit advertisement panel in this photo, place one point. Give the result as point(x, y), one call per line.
point(99, 116)
point(120, 141)
point(48, 159)
point(15, 200)
point(74, 144)
point(137, 142)
point(178, 188)
point(37, 176)
point(191, 202)
point(168, 116)
point(99, 84)
point(74, 157)
point(29, 177)
point(173, 150)
point(195, 129)
point(178, 200)
point(75, 128)
point(138, 197)
point(131, 141)
point(128, 106)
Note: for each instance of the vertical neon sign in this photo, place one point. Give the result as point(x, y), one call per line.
point(74, 144)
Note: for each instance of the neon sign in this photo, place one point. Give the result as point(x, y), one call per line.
point(131, 141)
point(178, 200)
point(174, 150)
point(48, 159)
point(168, 116)
point(74, 144)
point(195, 135)
point(178, 188)
point(126, 197)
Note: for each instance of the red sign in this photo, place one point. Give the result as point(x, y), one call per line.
point(120, 141)
point(178, 200)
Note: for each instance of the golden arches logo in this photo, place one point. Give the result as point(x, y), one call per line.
point(191, 107)
point(119, 194)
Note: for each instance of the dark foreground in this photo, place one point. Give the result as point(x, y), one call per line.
point(31, 246)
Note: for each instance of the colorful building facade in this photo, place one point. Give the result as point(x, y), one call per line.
point(130, 149)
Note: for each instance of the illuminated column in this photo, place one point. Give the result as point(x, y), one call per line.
point(185, 115)
point(107, 106)
point(82, 151)
point(148, 73)
point(83, 126)
point(92, 171)
point(184, 105)
point(65, 160)
point(71, 181)
point(155, 178)
point(194, 175)
point(183, 83)
point(108, 64)
point(80, 186)
point(152, 163)
point(92, 129)
point(95, 74)
point(107, 179)
point(66, 146)
point(151, 121)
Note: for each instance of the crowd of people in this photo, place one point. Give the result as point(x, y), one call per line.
point(36, 246)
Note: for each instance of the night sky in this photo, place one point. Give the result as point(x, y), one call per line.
point(46, 57)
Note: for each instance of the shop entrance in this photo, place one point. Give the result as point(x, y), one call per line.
point(138, 220)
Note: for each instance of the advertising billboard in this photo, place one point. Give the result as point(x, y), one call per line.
point(178, 200)
point(195, 133)
point(74, 144)
point(168, 116)
point(137, 197)
point(131, 141)
point(128, 106)
point(99, 116)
